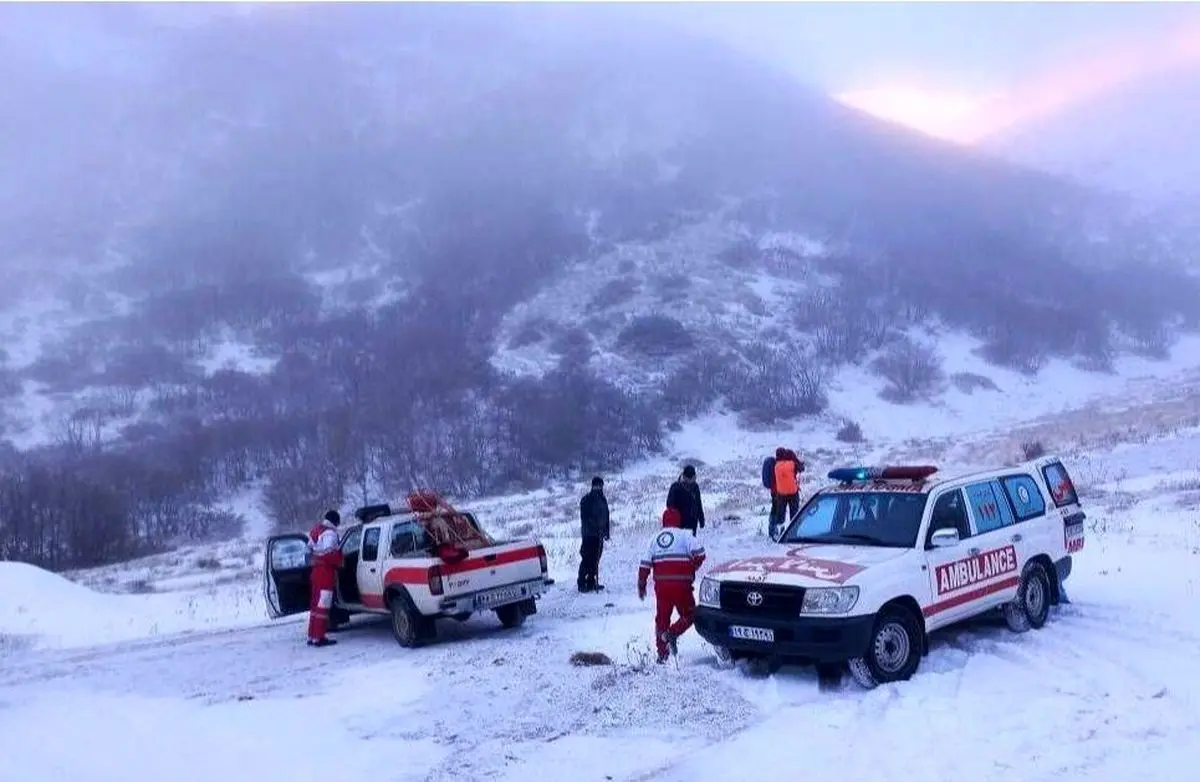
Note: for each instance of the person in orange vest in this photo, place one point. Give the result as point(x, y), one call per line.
point(785, 494)
point(674, 558)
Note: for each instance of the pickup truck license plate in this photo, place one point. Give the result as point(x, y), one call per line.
point(495, 597)
point(752, 633)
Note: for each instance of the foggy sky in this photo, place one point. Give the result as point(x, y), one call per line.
point(968, 46)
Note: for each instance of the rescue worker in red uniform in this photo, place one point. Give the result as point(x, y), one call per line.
point(674, 558)
point(326, 549)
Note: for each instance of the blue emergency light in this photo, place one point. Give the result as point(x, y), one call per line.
point(852, 474)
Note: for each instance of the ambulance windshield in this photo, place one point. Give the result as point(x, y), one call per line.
point(859, 518)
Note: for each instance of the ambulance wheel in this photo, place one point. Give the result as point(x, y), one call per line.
point(511, 615)
point(1031, 607)
point(410, 628)
point(894, 651)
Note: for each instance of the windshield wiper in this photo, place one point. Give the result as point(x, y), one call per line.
point(863, 537)
point(804, 539)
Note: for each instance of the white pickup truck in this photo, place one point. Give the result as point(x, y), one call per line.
point(417, 561)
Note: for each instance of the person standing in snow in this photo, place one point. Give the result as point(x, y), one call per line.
point(786, 491)
point(768, 482)
point(594, 530)
point(326, 549)
point(684, 497)
point(674, 558)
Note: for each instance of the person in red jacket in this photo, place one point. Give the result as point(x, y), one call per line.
point(674, 558)
point(326, 549)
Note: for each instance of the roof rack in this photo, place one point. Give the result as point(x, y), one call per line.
point(419, 502)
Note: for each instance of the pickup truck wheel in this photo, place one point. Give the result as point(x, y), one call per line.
point(409, 627)
point(511, 615)
point(338, 619)
point(1031, 607)
point(894, 651)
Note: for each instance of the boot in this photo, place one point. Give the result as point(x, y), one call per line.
point(322, 642)
point(669, 639)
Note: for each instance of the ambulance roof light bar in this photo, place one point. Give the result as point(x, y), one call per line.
point(914, 473)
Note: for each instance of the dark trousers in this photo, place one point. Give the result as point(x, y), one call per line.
point(590, 551)
point(783, 508)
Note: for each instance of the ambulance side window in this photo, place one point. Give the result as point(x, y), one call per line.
point(370, 544)
point(988, 506)
point(1025, 496)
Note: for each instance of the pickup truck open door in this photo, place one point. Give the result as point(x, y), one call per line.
point(286, 580)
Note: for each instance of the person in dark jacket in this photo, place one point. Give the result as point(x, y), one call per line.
point(684, 496)
point(594, 530)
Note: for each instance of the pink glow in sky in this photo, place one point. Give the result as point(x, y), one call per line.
point(968, 118)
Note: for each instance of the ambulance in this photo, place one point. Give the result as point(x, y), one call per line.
point(884, 556)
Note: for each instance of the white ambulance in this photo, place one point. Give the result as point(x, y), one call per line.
point(873, 563)
point(417, 561)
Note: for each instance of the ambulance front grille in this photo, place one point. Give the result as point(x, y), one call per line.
point(776, 601)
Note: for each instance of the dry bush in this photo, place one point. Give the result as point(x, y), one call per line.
point(969, 382)
point(850, 432)
point(911, 370)
point(1033, 449)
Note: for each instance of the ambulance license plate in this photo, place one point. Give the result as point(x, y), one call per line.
point(752, 633)
point(496, 597)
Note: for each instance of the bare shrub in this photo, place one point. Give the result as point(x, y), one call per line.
point(531, 332)
point(696, 384)
point(1033, 449)
point(1015, 353)
point(208, 563)
point(775, 383)
point(742, 255)
point(611, 294)
point(850, 432)
point(911, 370)
point(969, 382)
point(573, 345)
point(674, 287)
point(656, 336)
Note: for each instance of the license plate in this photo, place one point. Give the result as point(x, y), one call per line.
point(752, 633)
point(499, 596)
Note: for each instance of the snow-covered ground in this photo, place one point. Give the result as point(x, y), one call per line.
point(1106, 691)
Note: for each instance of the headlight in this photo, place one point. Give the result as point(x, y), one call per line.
point(710, 593)
point(829, 600)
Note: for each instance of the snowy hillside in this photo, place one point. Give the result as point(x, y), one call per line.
point(1105, 689)
point(326, 255)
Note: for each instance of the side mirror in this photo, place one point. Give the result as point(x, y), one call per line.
point(946, 537)
point(450, 553)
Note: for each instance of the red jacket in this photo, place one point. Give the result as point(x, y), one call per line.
point(673, 557)
point(326, 547)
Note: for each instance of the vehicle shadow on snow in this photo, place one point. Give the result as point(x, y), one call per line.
point(950, 650)
point(476, 628)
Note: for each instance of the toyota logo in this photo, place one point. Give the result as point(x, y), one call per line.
point(754, 599)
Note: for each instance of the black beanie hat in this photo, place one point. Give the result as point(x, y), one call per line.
point(333, 517)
